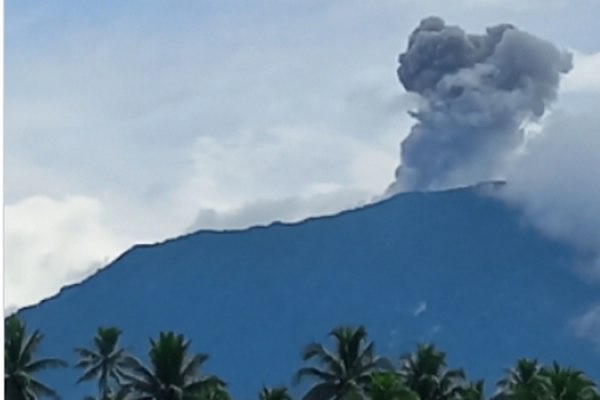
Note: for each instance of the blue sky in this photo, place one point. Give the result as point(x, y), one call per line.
point(129, 122)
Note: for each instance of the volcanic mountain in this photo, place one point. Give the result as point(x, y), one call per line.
point(459, 268)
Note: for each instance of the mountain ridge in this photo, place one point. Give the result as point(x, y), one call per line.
point(140, 246)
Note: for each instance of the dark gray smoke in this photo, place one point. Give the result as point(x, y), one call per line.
point(476, 93)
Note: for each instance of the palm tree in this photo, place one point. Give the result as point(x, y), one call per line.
point(524, 381)
point(114, 395)
point(567, 383)
point(595, 395)
point(276, 393)
point(173, 374)
point(105, 362)
point(473, 391)
point(20, 366)
point(217, 391)
point(345, 371)
point(426, 373)
point(388, 385)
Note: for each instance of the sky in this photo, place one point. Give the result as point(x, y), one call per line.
point(132, 122)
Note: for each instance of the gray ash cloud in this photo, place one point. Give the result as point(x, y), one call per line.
point(476, 91)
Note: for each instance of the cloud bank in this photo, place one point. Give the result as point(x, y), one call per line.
point(555, 181)
point(50, 243)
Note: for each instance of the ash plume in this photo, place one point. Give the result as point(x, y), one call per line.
point(476, 92)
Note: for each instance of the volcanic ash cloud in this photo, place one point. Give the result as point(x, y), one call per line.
point(476, 94)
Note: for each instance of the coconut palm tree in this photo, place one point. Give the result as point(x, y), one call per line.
point(388, 385)
point(595, 395)
point(217, 391)
point(112, 395)
point(20, 364)
point(173, 374)
point(426, 373)
point(344, 371)
point(523, 381)
point(473, 391)
point(566, 384)
point(105, 361)
point(275, 393)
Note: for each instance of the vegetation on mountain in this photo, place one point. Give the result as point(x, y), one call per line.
point(349, 370)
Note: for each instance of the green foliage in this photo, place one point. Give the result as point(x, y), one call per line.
point(105, 361)
point(276, 393)
point(217, 391)
point(426, 373)
point(20, 364)
point(473, 391)
point(562, 383)
point(529, 380)
point(343, 372)
point(388, 385)
point(173, 374)
point(523, 381)
point(350, 370)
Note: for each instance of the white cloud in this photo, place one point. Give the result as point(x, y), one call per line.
point(290, 209)
point(556, 179)
point(272, 162)
point(585, 76)
point(588, 325)
point(556, 182)
point(277, 161)
point(49, 243)
point(283, 173)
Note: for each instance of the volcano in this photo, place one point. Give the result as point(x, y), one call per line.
point(459, 268)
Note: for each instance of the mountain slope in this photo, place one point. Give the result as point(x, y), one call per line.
point(492, 288)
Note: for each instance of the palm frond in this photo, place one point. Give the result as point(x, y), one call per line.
point(87, 353)
point(90, 373)
point(322, 391)
point(324, 356)
point(193, 364)
point(40, 388)
point(313, 372)
point(45, 363)
point(139, 374)
point(202, 384)
point(31, 344)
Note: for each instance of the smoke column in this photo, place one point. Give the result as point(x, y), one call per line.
point(476, 92)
